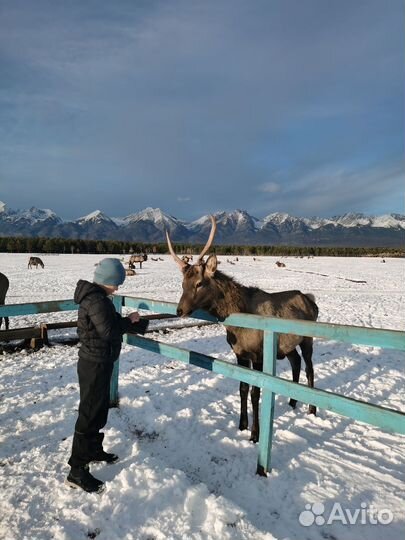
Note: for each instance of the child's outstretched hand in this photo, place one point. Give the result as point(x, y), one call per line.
point(134, 317)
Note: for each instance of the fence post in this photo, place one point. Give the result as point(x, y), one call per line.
point(117, 300)
point(267, 405)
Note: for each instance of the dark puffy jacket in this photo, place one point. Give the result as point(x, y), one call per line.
point(99, 326)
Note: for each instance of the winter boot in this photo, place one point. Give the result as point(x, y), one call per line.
point(81, 477)
point(105, 456)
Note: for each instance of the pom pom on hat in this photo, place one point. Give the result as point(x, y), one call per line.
point(109, 272)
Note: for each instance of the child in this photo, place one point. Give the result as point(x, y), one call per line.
point(100, 330)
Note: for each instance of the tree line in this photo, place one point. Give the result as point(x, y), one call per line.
point(16, 244)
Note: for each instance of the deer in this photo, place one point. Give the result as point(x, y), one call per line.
point(137, 259)
point(4, 285)
point(35, 261)
point(206, 288)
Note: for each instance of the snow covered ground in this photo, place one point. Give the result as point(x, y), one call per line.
point(185, 469)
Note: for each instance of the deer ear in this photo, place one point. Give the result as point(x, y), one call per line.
point(211, 265)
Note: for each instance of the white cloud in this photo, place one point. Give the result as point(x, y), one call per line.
point(270, 187)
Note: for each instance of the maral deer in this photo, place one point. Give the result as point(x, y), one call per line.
point(205, 287)
point(35, 261)
point(4, 284)
point(137, 259)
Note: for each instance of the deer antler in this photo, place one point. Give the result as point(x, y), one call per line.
point(181, 263)
point(210, 239)
point(207, 246)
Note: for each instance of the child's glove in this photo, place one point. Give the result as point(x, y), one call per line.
point(140, 327)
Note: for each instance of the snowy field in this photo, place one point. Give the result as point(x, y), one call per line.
point(186, 472)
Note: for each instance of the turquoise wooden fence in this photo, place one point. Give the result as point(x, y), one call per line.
point(385, 418)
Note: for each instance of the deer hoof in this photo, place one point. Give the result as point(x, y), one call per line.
point(312, 410)
point(254, 437)
point(292, 403)
point(243, 425)
point(260, 471)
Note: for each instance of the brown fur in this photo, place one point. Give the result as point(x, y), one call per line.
point(35, 261)
point(204, 287)
point(137, 259)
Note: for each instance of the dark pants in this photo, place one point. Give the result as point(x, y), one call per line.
point(94, 382)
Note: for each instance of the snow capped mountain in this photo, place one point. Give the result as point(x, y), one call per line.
point(32, 216)
point(230, 225)
point(389, 221)
point(352, 220)
point(94, 217)
point(155, 216)
point(277, 218)
point(346, 220)
point(238, 219)
point(315, 222)
point(235, 227)
point(152, 223)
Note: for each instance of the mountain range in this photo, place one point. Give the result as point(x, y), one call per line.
point(237, 227)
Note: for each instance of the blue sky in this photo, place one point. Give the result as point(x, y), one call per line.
point(196, 106)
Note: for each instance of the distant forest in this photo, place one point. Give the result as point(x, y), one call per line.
point(14, 244)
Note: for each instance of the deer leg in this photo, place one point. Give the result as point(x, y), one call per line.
point(307, 349)
point(255, 398)
point(243, 392)
point(295, 361)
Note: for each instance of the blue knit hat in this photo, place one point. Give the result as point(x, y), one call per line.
point(109, 272)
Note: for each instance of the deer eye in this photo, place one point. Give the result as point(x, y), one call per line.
point(198, 284)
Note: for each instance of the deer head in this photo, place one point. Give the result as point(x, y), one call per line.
point(198, 282)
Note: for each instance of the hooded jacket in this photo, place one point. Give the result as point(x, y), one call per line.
point(99, 326)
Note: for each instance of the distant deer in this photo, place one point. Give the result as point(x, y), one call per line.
point(35, 261)
point(137, 259)
point(4, 284)
point(205, 287)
